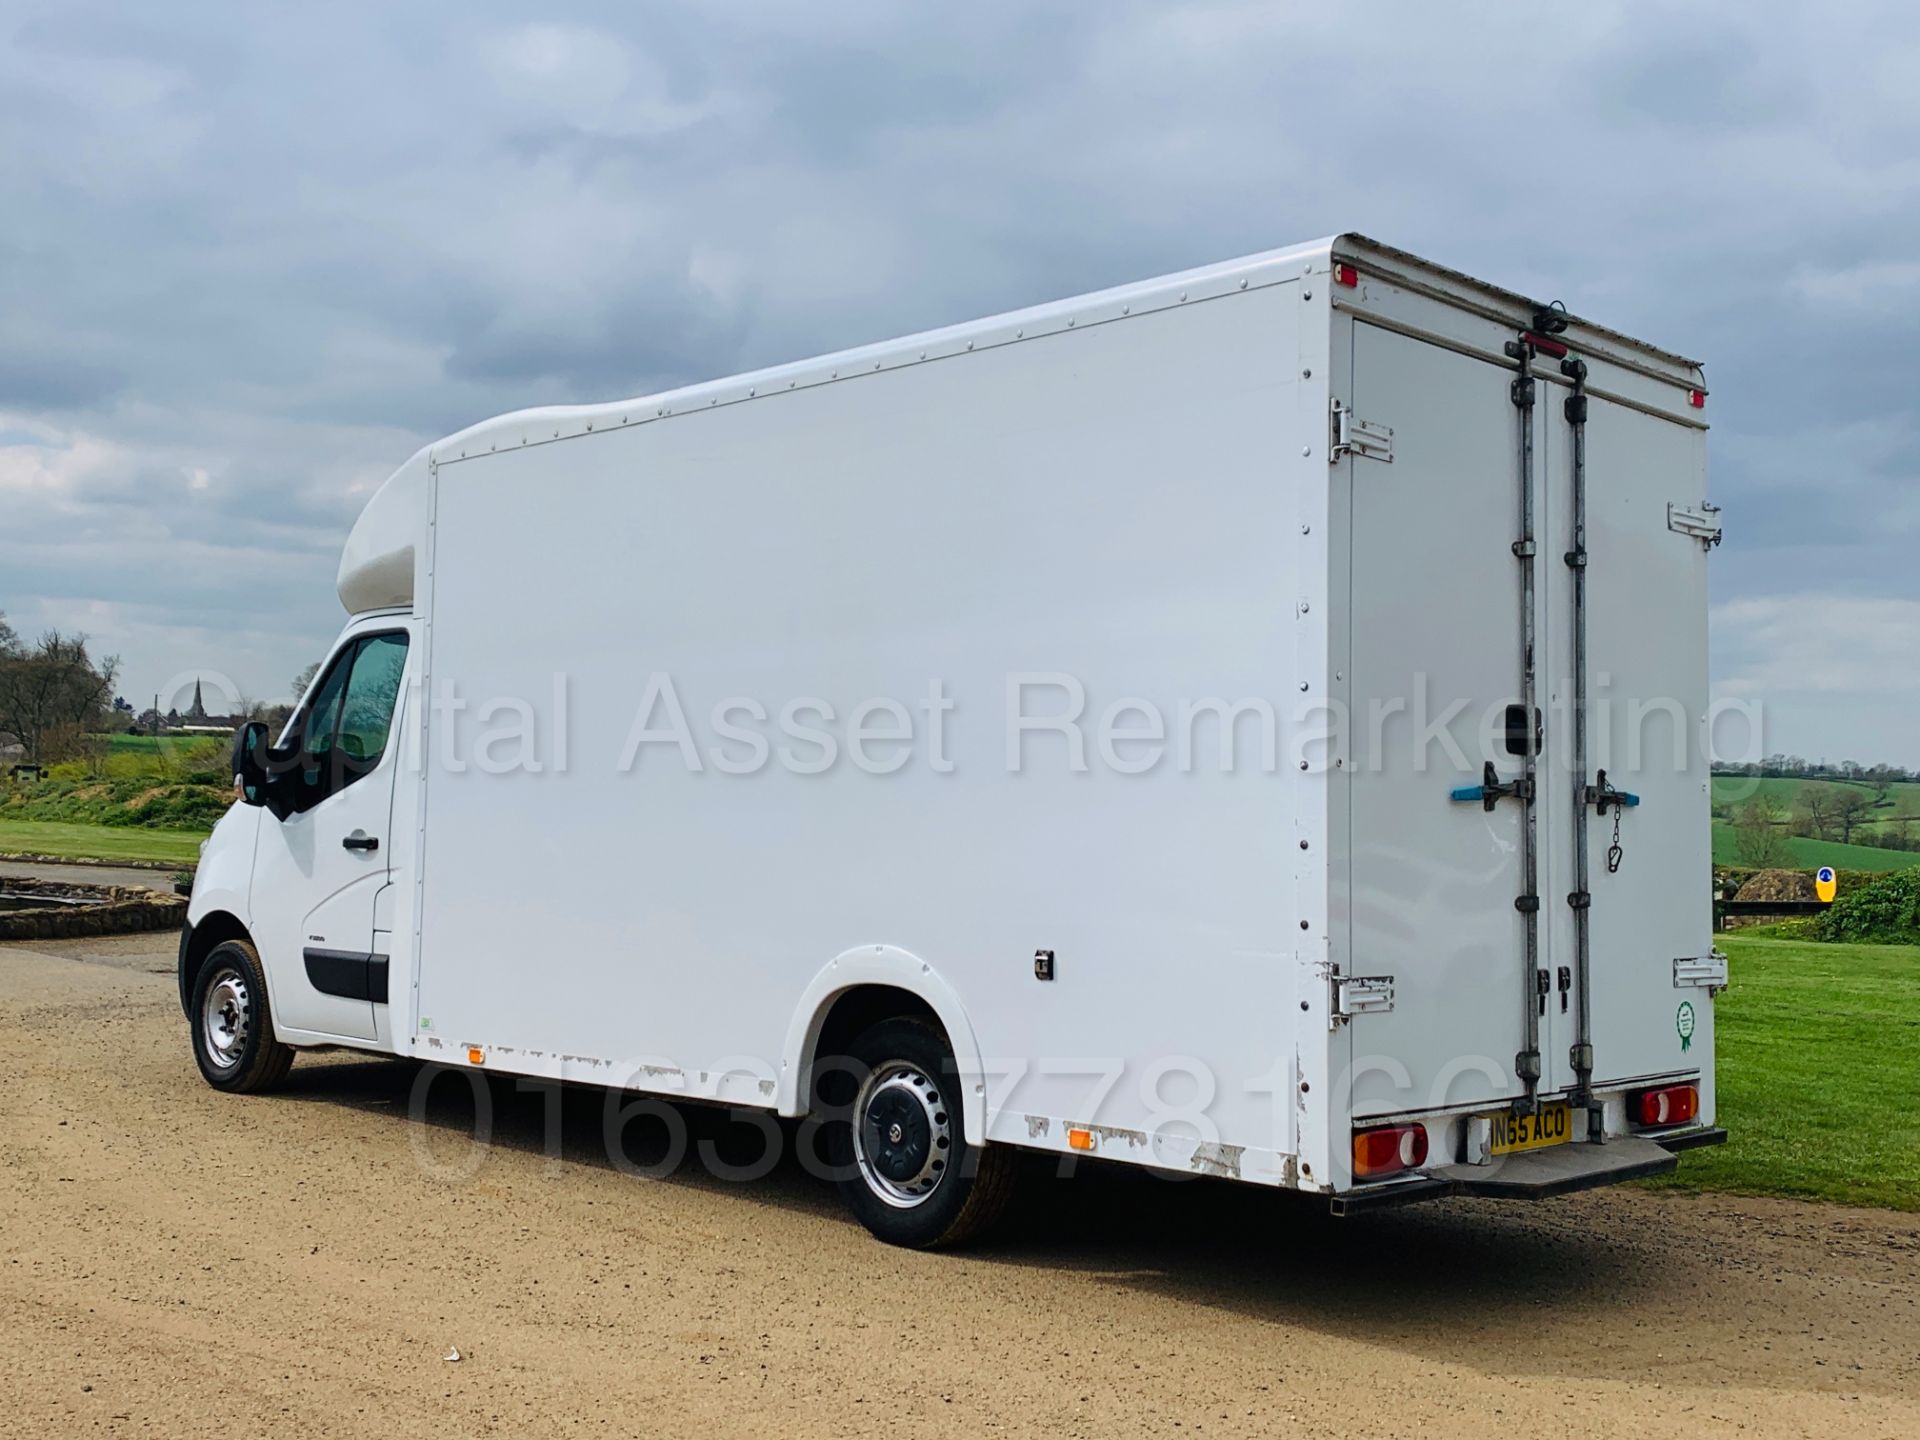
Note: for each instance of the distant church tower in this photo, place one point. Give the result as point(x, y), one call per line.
point(197, 712)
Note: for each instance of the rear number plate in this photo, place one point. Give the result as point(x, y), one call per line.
point(1550, 1126)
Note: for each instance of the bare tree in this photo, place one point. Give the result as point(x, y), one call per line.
point(1850, 809)
point(1756, 833)
point(303, 680)
point(1815, 811)
point(1881, 778)
point(53, 693)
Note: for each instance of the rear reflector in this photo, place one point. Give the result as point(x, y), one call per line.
point(1556, 348)
point(1697, 399)
point(1345, 274)
point(1669, 1105)
point(1388, 1150)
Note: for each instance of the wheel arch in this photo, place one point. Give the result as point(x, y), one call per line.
point(199, 940)
point(860, 987)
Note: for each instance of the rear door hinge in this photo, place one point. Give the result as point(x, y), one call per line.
point(1701, 521)
point(1354, 436)
point(1703, 972)
point(1361, 995)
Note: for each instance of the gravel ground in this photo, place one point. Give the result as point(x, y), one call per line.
point(176, 1261)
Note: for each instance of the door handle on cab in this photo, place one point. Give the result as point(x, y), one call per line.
point(360, 840)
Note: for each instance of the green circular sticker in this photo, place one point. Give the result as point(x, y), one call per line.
point(1683, 1022)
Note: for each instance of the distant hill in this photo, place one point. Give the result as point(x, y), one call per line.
point(1901, 809)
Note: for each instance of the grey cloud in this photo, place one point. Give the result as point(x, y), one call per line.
point(286, 249)
point(37, 380)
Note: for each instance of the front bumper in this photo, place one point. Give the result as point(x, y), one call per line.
point(1538, 1174)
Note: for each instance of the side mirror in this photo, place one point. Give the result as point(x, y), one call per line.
point(249, 762)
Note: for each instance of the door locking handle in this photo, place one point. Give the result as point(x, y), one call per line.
point(360, 840)
point(1492, 789)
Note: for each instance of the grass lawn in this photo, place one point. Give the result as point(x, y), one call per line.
point(1819, 1068)
point(98, 842)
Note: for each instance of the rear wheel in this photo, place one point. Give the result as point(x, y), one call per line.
point(232, 1026)
point(906, 1168)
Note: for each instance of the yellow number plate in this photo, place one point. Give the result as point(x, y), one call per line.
point(1551, 1126)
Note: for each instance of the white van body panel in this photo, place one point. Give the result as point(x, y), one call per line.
point(223, 879)
point(1135, 497)
point(377, 567)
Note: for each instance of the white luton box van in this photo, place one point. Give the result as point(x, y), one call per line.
point(1250, 723)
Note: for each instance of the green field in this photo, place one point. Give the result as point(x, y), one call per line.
point(1733, 789)
point(162, 756)
point(1819, 1074)
point(98, 842)
point(136, 797)
point(1899, 813)
point(1804, 854)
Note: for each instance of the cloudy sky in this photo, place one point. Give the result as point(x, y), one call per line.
point(252, 257)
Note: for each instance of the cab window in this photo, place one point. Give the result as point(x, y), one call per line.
point(373, 690)
point(345, 729)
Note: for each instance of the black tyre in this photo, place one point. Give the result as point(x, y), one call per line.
point(905, 1168)
point(232, 1026)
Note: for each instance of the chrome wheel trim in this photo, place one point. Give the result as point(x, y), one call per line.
point(226, 1019)
point(901, 1097)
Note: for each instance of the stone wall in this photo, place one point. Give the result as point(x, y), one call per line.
point(116, 910)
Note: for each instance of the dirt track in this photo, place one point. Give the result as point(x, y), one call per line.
point(177, 1261)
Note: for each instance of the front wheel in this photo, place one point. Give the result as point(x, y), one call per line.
point(232, 1026)
point(906, 1169)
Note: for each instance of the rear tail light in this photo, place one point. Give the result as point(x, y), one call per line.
point(1388, 1150)
point(1669, 1105)
point(1697, 399)
point(1345, 274)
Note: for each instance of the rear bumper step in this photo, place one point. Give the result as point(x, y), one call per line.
point(1537, 1174)
point(1692, 1139)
